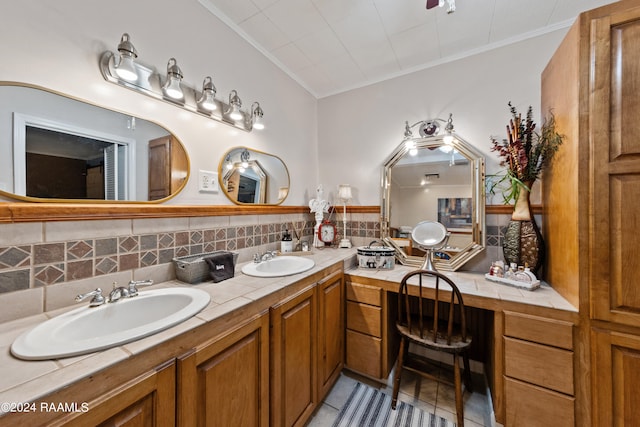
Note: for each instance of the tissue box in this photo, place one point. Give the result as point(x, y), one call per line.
point(194, 269)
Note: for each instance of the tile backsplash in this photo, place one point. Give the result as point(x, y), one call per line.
point(45, 261)
point(75, 250)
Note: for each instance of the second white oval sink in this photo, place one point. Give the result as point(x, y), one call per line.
point(279, 266)
point(89, 329)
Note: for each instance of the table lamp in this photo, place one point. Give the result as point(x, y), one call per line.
point(344, 194)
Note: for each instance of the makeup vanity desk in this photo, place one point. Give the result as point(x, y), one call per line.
point(525, 339)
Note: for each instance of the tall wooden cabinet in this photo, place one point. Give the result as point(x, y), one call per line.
point(293, 380)
point(307, 341)
point(592, 198)
point(330, 331)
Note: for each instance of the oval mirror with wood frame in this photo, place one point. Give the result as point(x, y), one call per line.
point(429, 180)
point(67, 150)
point(249, 176)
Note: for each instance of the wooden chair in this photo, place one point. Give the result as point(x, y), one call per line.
point(429, 322)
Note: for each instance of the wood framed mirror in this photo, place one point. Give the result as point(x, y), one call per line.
point(430, 180)
point(66, 150)
point(252, 177)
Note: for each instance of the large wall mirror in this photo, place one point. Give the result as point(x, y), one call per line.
point(61, 149)
point(429, 180)
point(249, 176)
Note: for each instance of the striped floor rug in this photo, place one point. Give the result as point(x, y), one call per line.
point(367, 406)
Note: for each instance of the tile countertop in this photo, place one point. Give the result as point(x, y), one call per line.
point(25, 381)
point(480, 292)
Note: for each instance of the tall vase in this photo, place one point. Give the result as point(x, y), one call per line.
point(523, 244)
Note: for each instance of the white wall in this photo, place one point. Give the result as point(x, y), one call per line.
point(344, 138)
point(359, 129)
point(56, 44)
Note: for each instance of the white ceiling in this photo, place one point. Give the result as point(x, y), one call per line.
point(330, 46)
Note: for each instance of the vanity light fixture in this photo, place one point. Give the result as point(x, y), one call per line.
point(429, 128)
point(344, 194)
point(235, 104)
point(228, 163)
point(256, 116)
point(122, 68)
point(207, 100)
point(171, 86)
point(125, 68)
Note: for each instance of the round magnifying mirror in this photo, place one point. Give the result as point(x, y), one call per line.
point(430, 235)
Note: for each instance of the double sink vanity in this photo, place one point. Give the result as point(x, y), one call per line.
point(266, 350)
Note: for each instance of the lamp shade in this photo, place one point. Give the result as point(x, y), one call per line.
point(344, 192)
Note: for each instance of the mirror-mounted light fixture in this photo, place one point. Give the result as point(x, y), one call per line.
point(429, 128)
point(207, 100)
point(256, 116)
point(123, 69)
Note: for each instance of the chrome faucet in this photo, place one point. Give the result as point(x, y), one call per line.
point(269, 255)
point(257, 258)
point(133, 286)
point(117, 293)
point(97, 299)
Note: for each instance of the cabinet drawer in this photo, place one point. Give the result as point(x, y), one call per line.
point(531, 406)
point(539, 329)
point(545, 366)
point(364, 318)
point(364, 354)
point(363, 293)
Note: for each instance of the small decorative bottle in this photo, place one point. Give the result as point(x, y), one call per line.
point(286, 245)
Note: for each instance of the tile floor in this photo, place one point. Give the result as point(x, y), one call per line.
point(422, 393)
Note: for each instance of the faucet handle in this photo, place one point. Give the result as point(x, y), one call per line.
point(97, 299)
point(133, 286)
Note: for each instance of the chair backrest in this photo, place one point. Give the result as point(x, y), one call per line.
point(426, 319)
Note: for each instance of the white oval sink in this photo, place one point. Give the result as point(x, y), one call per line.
point(89, 329)
point(279, 266)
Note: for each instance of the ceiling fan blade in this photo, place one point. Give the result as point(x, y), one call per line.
point(432, 3)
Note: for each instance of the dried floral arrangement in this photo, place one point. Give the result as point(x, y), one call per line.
point(525, 153)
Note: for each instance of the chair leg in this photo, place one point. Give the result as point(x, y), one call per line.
point(458, 387)
point(467, 373)
point(398, 373)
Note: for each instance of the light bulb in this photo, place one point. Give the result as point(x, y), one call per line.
point(125, 69)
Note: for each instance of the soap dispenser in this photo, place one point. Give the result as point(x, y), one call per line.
point(286, 245)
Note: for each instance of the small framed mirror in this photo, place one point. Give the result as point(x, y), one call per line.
point(427, 179)
point(252, 177)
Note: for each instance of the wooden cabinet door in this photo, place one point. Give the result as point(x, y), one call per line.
point(168, 167)
point(225, 382)
point(293, 364)
point(159, 168)
point(615, 108)
point(615, 377)
point(146, 401)
point(330, 331)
